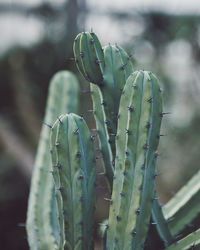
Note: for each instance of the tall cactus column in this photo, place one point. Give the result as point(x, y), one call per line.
point(136, 144)
point(74, 175)
point(42, 217)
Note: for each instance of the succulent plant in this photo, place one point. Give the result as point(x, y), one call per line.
point(127, 108)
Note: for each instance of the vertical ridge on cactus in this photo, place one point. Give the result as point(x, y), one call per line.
point(100, 119)
point(76, 176)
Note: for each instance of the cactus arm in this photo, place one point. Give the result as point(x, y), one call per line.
point(76, 171)
point(42, 224)
point(191, 241)
point(135, 162)
point(89, 57)
point(102, 132)
point(155, 101)
point(121, 147)
point(117, 69)
point(161, 223)
point(184, 206)
point(77, 54)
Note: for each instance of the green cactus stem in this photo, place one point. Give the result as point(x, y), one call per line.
point(182, 209)
point(137, 141)
point(191, 241)
point(75, 175)
point(42, 217)
point(161, 223)
point(104, 145)
point(89, 57)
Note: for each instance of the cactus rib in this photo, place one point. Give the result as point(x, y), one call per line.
point(100, 119)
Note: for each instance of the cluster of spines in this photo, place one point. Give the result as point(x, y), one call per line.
point(74, 177)
point(136, 146)
point(42, 224)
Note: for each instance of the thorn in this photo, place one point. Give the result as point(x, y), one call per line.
point(78, 155)
point(57, 144)
point(146, 147)
point(148, 125)
point(92, 41)
point(102, 224)
point(80, 177)
point(116, 240)
point(133, 233)
point(164, 113)
point(47, 125)
point(59, 120)
point(76, 131)
point(127, 153)
point(140, 188)
point(156, 154)
point(21, 224)
point(124, 172)
point(158, 136)
point(122, 194)
point(72, 58)
point(92, 137)
point(60, 189)
point(137, 211)
point(81, 54)
point(107, 122)
point(104, 103)
point(113, 163)
point(58, 166)
point(150, 100)
point(128, 132)
point(110, 141)
point(123, 67)
point(135, 86)
point(118, 218)
point(110, 200)
point(102, 173)
point(143, 167)
point(130, 109)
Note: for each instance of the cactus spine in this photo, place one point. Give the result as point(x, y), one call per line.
point(42, 224)
point(75, 178)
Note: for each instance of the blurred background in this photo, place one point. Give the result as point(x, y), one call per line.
point(36, 38)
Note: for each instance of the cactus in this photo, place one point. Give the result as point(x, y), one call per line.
point(127, 108)
point(113, 67)
point(74, 175)
point(42, 224)
point(191, 241)
point(136, 145)
point(182, 209)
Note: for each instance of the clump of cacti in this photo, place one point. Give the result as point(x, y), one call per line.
point(127, 108)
